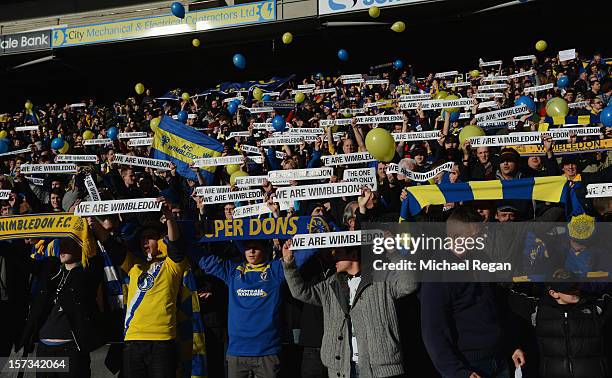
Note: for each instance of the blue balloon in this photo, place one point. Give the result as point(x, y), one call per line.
point(57, 143)
point(266, 98)
point(178, 10)
point(562, 82)
point(239, 61)
point(398, 64)
point(232, 107)
point(527, 101)
point(605, 117)
point(112, 133)
point(343, 55)
point(4, 147)
point(279, 124)
point(182, 116)
point(454, 116)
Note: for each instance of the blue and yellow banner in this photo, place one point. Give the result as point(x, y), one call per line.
point(264, 228)
point(550, 189)
point(579, 120)
point(267, 85)
point(49, 226)
point(154, 26)
point(181, 144)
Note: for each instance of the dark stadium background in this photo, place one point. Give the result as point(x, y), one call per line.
point(439, 36)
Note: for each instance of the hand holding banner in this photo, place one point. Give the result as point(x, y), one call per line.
point(135, 205)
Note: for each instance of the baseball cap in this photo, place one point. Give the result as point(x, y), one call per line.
point(564, 282)
point(509, 154)
point(507, 206)
point(451, 138)
point(419, 151)
point(568, 160)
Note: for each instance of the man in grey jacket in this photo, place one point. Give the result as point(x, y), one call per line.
point(361, 336)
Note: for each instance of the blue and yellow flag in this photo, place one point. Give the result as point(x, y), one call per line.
point(31, 116)
point(181, 144)
point(550, 189)
point(173, 95)
point(266, 85)
point(190, 331)
point(580, 120)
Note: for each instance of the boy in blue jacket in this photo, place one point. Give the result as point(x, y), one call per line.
point(253, 315)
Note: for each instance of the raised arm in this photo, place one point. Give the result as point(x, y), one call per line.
point(198, 174)
point(316, 154)
point(330, 141)
point(358, 135)
point(217, 267)
point(445, 128)
point(115, 250)
point(176, 251)
point(400, 146)
point(402, 283)
point(297, 286)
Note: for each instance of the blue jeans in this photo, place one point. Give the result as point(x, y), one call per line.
point(491, 368)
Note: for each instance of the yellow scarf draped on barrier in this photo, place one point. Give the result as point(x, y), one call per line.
point(57, 225)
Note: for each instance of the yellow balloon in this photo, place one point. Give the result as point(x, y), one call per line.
point(185, 96)
point(470, 131)
point(398, 26)
point(28, 105)
point(374, 12)
point(64, 148)
point(541, 45)
point(195, 42)
point(3, 134)
point(474, 73)
point(556, 107)
point(380, 144)
point(231, 168)
point(140, 88)
point(258, 94)
point(287, 38)
point(299, 97)
point(451, 110)
point(237, 174)
point(154, 123)
point(441, 95)
point(88, 134)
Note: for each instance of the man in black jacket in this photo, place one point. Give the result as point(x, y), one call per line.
point(569, 328)
point(63, 316)
point(461, 322)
